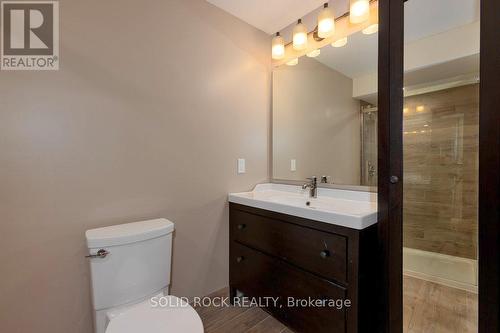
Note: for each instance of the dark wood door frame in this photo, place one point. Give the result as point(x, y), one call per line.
point(489, 168)
point(390, 166)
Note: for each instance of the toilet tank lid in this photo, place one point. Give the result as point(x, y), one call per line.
point(128, 233)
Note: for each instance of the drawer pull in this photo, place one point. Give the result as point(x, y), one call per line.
point(240, 259)
point(241, 226)
point(324, 254)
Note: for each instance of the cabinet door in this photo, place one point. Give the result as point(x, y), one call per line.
point(259, 275)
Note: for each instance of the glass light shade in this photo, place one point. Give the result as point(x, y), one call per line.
point(299, 36)
point(278, 48)
point(314, 54)
point(326, 23)
point(293, 62)
point(371, 29)
point(359, 11)
point(340, 42)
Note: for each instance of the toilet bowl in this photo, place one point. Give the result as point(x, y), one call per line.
point(130, 267)
point(179, 317)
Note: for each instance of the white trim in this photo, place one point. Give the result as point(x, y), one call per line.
point(451, 271)
point(458, 81)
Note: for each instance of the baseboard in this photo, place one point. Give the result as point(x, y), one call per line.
point(451, 271)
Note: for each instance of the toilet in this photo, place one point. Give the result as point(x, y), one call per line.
point(130, 275)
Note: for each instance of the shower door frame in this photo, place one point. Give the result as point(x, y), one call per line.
point(390, 167)
point(489, 166)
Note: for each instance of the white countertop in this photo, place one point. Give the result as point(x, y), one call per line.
point(352, 209)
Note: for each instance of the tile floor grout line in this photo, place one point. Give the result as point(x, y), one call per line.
point(230, 320)
point(268, 316)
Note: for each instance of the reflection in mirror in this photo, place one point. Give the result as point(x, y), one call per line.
point(325, 115)
point(440, 145)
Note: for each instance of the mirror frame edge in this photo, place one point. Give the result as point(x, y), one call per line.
point(359, 188)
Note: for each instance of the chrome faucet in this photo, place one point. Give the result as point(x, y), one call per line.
point(312, 186)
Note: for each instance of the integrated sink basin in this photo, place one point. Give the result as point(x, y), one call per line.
point(352, 209)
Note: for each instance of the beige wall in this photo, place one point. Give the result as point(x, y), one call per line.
point(315, 121)
point(154, 102)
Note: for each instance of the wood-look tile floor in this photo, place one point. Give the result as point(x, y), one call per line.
point(434, 308)
point(238, 320)
point(428, 308)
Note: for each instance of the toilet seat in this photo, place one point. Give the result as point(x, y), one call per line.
point(177, 317)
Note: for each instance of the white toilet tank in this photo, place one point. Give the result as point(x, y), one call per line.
point(137, 264)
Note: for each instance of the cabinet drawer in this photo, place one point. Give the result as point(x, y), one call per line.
point(259, 275)
point(316, 251)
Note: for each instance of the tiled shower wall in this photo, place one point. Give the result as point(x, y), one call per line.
point(441, 171)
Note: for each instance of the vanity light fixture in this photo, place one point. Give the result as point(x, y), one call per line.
point(420, 108)
point(300, 36)
point(326, 22)
point(326, 31)
point(370, 30)
point(278, 48)
point(340, 42)
point(314, 54)
point(293, 62)
point(359, 11)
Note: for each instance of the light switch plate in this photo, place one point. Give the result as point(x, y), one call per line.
point(241, 165)
point(293, 165)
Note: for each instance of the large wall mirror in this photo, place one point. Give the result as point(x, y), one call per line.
point(325, 114)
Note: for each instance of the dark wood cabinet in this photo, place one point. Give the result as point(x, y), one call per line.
point(295, 260)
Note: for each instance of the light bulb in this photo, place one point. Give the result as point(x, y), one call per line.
point(340, 42)
point(300, 36)
point(293, 62)
point(326, 22)
point(278, 48)
point(314, 54)
point(359, 11)
point(371, 29)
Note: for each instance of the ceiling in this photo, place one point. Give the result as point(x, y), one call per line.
point(269, 16)
point(425, 18)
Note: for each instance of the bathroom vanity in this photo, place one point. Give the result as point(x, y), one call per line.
point(317, 256)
